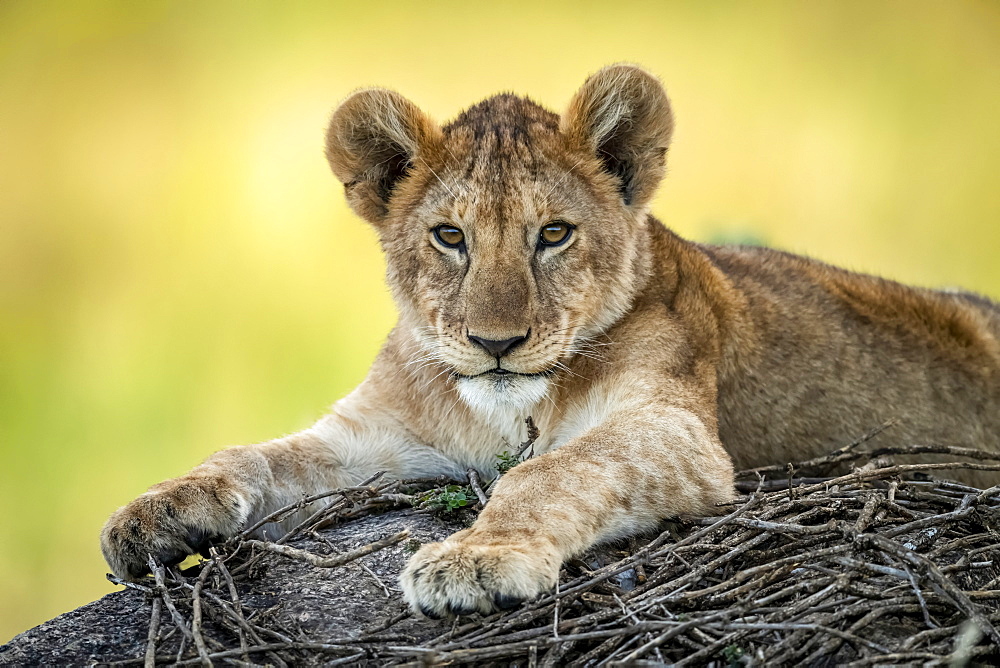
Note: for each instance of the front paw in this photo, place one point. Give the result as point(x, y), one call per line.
point(172, 520)
point(461, 576)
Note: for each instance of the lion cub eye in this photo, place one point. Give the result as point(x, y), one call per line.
point(449, 236)
point(555, 233)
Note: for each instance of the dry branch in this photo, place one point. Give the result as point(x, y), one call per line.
point(330, 562)
point(869, 568)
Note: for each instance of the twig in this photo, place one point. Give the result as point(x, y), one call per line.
point(154, 631)
point(301, 503)
point(234, 596)
point(128, 583)
point(199, 640)
point(959, 597)
point(158, 574)
point(330, 562)
point(273, 647)
point(891, 471)
point(530, 441)
point(814, 574)
point(837, 455)
point(378, 580)
point(476, 487)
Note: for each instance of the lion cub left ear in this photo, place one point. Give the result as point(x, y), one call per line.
point(622, 115)
point(374, 137)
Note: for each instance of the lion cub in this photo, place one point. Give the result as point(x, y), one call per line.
point(531, 280)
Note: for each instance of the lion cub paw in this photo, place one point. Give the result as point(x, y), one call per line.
point(171, 521)
point(459, 577)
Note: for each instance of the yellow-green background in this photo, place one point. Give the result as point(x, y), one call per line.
point(178, 270)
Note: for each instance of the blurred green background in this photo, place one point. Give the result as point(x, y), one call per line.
point(179, 272)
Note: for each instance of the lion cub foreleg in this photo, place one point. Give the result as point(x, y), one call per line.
point(237, 486)
point(619, 478)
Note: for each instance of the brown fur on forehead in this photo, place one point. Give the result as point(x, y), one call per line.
point(501, 140)
point(506, 161)
point(506, 115)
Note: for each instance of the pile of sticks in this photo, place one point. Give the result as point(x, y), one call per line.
point(880, 566)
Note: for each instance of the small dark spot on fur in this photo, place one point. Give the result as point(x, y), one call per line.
point(505, 602)
point(460, 610)
point(172, 557)
point(199, 539)
point(427, 612)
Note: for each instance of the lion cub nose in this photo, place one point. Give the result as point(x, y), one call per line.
point(498, 348)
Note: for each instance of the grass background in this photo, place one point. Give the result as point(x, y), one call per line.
point(179, 272)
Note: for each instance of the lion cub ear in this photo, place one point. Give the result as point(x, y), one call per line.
point(622, 115)
point(374, 138)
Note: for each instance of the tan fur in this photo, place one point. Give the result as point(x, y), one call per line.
point(650, 364)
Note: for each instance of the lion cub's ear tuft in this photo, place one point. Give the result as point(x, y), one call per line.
point(374, 138)
point(622, 115)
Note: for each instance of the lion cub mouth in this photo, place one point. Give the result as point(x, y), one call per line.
point(499, 387)
point(500, 371)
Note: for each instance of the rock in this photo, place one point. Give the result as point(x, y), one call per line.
point(307, 603)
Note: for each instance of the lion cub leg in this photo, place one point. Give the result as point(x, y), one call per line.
point(178, 517)
point(235, 487)
point(619, 478)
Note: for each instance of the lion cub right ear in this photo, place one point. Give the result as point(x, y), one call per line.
point(374, 138)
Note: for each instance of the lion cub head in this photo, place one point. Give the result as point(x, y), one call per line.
point(512, 234)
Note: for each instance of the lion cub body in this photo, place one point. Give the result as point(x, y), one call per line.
point(823, 351)
point(531, 280)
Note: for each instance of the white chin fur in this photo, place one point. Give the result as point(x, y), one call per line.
point(489, 394)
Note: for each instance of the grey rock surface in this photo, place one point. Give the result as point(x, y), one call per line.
point(310, 604)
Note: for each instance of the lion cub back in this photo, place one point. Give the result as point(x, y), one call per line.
point(831, 354)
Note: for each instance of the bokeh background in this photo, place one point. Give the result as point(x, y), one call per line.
point(179, 272)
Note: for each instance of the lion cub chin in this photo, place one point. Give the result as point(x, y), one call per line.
point(531, 280)
point(506, 396)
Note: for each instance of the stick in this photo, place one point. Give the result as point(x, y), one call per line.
point(199, 640)
point(330, 562)
point(532, 437)
point(161, 587)
point(476, 487)
point(154, 630)
point(306, 501)
point(959, 597)
point(837, 455)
